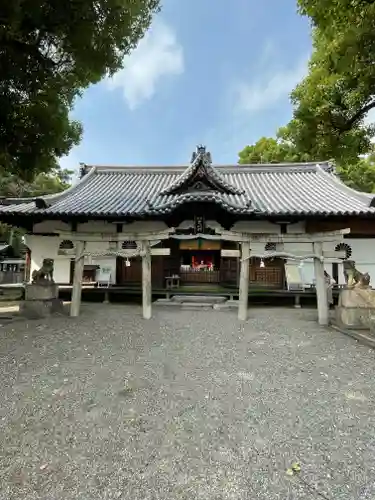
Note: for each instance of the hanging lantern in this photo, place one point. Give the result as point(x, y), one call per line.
point(127, 263)
point(262, 263)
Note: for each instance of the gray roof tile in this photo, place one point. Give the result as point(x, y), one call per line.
point(284, 189)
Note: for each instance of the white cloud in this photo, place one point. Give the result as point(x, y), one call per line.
point(268, 89)
point(157, 56)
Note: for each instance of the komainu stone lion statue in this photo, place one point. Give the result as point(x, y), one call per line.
point(353, 277)
point(45, 273)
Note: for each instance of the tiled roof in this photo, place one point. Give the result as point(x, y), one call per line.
point(271, 190)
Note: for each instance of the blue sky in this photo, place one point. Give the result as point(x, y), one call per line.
point(218, 75)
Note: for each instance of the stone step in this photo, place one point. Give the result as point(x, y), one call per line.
point(229, 304)
point(196, 305)
point(166, 303)
point(208, 299)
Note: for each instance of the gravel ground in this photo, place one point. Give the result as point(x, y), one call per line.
point(189, 405)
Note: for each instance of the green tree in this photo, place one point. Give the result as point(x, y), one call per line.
point(359, 175)
point(270, 150)
point(50, 51)
point(332, 102)
point(43, 184)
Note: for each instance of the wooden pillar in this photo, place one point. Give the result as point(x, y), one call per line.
point(238, 267)
point(77, 279)
point(244, 281)
point(321, 286)
point(146, 280)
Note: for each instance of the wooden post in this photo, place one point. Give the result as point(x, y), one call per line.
point(77, 280)
point(238, 267)
point(321, 286)
point(297, 301)
point(146, 280)
point(244, 281)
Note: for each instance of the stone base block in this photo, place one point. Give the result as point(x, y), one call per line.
point(355, 317)
point(224, 306)
point(37, 309)
point(372, 324)
point(357, 297)
point(208, 299)
point(166, 303)
point(41, 291)
point(194, 306)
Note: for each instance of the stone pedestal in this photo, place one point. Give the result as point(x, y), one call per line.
point(41, 300)
point(356, 308)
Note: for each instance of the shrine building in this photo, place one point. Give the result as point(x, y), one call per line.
point(202, 226)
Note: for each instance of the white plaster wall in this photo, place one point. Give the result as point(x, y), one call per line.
point(256, 227)
point(97, 227)
point(143, 226)
point(363, 253)
point(51, 226)
point(44, 247)
point(298, 227)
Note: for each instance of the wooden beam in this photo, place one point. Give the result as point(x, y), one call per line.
point(77, 279)
point(321, 287)
point(221, 235)
point(129, 254)
point(146, 280)
point(334, 255)
point(244, 281)
point(160, 251)
point(115, 237)
point(330, 236)
point(300, 255)
point(230, 253)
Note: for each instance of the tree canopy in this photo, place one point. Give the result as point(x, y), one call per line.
point(270, 150)
point(359, 175)
point(52, 182)
point(49, 183)
point(331, 104)
point(44, 183)
point(50, 51)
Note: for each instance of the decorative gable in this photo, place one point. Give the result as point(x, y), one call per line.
point(201, 176)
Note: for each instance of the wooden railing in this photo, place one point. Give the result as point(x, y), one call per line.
point(271, 277)
point(200, 276)
point(10, 277)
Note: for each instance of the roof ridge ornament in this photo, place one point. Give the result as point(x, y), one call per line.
point(201, 176)
point(202, 153)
